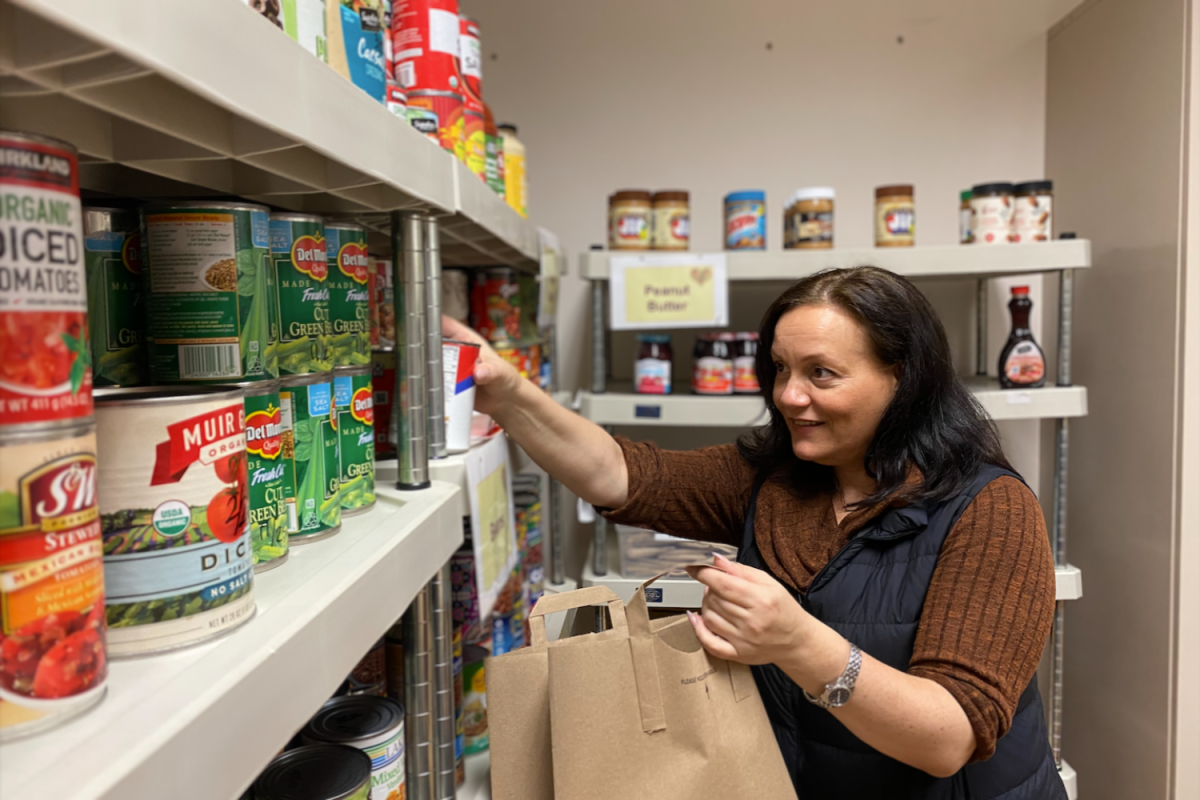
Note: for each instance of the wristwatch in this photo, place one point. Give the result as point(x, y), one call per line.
point(837, 694)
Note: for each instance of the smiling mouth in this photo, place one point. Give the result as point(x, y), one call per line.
point(806, 423)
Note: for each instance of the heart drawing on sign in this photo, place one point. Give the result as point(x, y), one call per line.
point(701, 274)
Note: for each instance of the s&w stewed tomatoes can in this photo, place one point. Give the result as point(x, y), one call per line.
point(45, 363)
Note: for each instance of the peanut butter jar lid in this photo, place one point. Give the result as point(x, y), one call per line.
point(626, 195)
point(1034, 187)
point(671, 195)
point(895, 190)
point(991, 189)
point(815, 193)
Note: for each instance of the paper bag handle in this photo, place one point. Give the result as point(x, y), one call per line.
point(565, 601)
point(645, 663)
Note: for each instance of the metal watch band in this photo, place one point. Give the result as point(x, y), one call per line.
point(838, 693)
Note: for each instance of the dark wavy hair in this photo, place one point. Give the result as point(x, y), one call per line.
point(933, 421)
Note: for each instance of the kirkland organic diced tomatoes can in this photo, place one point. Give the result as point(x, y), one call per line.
point(52, 653)
point(178, 562)
point(45, 362)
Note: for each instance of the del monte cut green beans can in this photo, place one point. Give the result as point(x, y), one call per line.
point(303, 279)
point(116, 311)
point(211, 291)
point(355, 404)
point(349, 294)
point(268, 471)
point(310, 443)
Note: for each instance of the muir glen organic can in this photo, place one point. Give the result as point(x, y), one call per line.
point(301, 269)
point(45, 363)
point(355, 404)
point(178, 564)
point(268, 472)
point(310, 443)
point(349, 294)
point(116, 311)
point(212, 312)
point(52, 633)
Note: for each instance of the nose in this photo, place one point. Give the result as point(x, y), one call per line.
point(795, 394)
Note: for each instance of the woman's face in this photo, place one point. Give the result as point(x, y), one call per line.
point(829, 386)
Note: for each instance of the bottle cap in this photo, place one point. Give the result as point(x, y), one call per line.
point(1020, 290)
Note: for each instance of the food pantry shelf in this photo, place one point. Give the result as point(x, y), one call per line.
point(180, 99)
point(914, 262)
point(204, 721)
point(739, 412)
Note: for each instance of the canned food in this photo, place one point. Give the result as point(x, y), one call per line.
point(355, 407)
point(383, 383)
point(212, 298)
point(439, 115)
point(396, 100)
point(52, 631)
point(470, 55)
point(475, 724)
point(45, 363)
point(371, 669)
point(464, 592)
point(493, 153)
point(425, 44)
point(474, 136)
point(268, 473)
point(316, 772)
point(355, 44)
point(349, 296)
point(496, 305)
point(374, 725)
point(383, 313)
point(173, 500)
point(301, 271)
point(116, 319)
point(458, 375)
point(310, 442)
point(393, 645)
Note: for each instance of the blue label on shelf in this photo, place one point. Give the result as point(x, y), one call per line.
point(654, 595)
point(364, 52)
point(651, 412)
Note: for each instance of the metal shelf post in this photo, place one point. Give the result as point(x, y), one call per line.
point(435, 393)
point(419, 698)
point(412, 441)
point(444, 783)
point(599, 331)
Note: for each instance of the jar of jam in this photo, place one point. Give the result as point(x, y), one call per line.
point(745, 378)
point(712, 370)
point(652, 370)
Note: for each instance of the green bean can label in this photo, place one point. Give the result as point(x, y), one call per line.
point(302, 276)
point(116, 314)
point(211, 293)
point(310, 441)
point(355, 403)
point(349, 296)
point(268, 472)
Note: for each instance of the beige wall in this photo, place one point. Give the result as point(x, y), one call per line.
point(1114, 136)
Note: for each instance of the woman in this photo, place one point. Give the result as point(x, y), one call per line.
point(895, 588)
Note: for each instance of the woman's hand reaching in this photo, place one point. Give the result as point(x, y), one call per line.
point(496, 380)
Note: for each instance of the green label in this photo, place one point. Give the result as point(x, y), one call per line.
point(211, 295)
point(115, 310)
point(269, 472)
point(301, 270)
point(310, 440)
point(355, 403)
point(349, 296)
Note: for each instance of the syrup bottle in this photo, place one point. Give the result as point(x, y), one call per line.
point(1022, 363)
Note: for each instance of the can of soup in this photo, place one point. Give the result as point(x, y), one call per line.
point(425, 44)
point(211, 293)
point(383, 384)
point(349, 295)
point(268, 472)
point(439, 115)
point(178, 564)
point(310, 442)
point(52, 631)
point(496, 305)
point(374, 725)
point(355, 407)
point(116, 311)
point(45, 363)
point(301, 271)
point(317, 772)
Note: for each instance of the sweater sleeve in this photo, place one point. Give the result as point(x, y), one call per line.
point(695, 494)
point(990, 609)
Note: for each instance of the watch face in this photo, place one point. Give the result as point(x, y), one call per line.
point(839, 696)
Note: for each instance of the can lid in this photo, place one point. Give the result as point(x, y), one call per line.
point(473, 654)
point(628, 194)
point(981, 189)
point(327, 771)
point(342, 720)
point(1020, 290)
point(894, 190)
point(1029, 187)
point(749, 194)
point(507, 126)
point(460, 343)
point(815, 193)
point(166, 395)
point(965, 194)
point(669, 195)
point(654, 338)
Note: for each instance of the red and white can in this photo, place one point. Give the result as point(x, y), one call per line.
point(45, 364)
point(425, 36)
point(470, 55)
point(458, 371)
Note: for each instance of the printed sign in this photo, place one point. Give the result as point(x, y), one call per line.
point(493, 521)
point(668, 291)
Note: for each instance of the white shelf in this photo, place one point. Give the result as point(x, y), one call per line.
point(453, 469)
point(688, 410)
point(933, 261)
point(1070, 780)
point(203, 722)
point(192, 99)
point(478, 785)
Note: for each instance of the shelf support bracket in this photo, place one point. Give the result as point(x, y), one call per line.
point(433, 342)
point(412, 441)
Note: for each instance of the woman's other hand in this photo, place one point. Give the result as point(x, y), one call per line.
point(496, 380)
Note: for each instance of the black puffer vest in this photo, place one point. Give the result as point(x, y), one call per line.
point(872, 593)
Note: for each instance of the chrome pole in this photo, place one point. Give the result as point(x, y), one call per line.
point(412, 441)
point(434, 379)
point(599, 327)
point(981, 327)
point(443, 682)
point(419, 697)
point(1066, 307)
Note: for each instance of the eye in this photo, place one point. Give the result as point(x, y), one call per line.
point(780, 368)
point(822, 374)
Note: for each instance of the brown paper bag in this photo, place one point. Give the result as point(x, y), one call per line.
point(637, 711)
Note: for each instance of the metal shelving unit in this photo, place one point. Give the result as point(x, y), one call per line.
point(1059, 402)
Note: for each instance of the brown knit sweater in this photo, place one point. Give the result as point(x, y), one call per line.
point(990, 606)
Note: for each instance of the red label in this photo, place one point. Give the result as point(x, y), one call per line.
point(353, 262)
point(39, 165)
point(58, 504)
point(45, 371)
point(131, 253)
point(205, 438)
point(264, 433)
point(308, 256)
point(362, 406)
point(712, 376)
point(741, 223)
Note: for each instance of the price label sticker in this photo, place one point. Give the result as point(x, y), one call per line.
point(1018, 398)
point(668, 291)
